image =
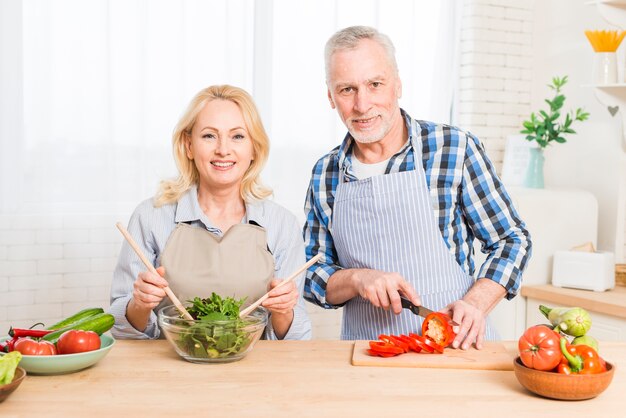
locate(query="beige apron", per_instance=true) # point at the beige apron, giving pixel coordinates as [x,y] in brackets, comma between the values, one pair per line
[198,262]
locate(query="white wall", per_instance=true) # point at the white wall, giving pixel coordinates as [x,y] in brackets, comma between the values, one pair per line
[52,265]
[495,71]
[593,159]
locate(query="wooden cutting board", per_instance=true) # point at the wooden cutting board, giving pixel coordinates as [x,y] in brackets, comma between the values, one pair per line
[493,356]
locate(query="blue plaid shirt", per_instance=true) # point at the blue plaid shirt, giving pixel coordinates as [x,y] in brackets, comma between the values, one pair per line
[468,200]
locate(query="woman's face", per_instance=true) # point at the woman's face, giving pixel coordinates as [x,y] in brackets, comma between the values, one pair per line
[220,145]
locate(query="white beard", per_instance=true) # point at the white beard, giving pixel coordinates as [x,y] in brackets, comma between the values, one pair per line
[371,137]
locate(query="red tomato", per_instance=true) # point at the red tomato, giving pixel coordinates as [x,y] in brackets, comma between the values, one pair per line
[76,341]
[29,347]
[539,348]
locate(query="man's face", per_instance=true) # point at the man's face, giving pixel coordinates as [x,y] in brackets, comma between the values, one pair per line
[364,87]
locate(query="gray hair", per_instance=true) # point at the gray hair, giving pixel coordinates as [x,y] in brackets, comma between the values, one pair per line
[350,37]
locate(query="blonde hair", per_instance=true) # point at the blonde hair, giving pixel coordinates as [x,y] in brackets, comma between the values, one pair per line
[251,187]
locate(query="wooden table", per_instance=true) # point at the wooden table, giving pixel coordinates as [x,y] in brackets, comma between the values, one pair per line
[292,379]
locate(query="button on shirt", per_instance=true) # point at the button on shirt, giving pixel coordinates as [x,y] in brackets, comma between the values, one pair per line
[151,228]
[468,201]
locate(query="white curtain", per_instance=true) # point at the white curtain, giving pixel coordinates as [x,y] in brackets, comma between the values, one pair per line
[91,90]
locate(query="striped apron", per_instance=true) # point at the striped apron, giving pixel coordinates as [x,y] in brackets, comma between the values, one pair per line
[387,223]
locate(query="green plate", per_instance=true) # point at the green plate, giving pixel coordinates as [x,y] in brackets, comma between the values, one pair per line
[65,363]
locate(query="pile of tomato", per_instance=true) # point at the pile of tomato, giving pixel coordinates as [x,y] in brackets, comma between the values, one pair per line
[29,342]
[543,348]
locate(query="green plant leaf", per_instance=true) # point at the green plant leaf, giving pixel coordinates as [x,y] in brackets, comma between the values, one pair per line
[544,127]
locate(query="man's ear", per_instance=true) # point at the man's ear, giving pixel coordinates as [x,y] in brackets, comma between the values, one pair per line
[330,99]
[399,88]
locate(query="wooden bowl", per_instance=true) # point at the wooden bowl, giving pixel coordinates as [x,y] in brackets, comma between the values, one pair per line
[6,390]
[560,386]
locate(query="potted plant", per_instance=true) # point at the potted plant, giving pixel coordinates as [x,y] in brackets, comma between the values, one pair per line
[546,128]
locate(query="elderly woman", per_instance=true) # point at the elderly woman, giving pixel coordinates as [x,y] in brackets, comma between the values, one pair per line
[212,228]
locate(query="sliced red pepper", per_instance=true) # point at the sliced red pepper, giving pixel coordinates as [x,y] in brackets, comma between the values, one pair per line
[421,343]
[427,344]
[395,340]
[411,342]
[384,347]
[437,327]
[379,354]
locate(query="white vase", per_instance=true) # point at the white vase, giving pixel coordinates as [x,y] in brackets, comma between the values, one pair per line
[604,68]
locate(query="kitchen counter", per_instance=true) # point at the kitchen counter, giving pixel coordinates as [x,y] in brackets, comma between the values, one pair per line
[292,379]
[611,302]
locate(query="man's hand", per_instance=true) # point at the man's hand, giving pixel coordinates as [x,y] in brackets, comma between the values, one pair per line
[472,324]
[471,312]
[382,289]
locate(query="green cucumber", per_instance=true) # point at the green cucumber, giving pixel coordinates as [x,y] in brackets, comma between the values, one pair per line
[99,323]
[79,316]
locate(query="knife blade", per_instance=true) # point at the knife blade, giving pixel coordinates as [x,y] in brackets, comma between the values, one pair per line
[419,310]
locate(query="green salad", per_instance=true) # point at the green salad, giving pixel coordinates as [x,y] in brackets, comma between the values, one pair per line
[210,339]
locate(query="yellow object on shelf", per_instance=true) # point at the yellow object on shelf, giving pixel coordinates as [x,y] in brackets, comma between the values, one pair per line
[605,40]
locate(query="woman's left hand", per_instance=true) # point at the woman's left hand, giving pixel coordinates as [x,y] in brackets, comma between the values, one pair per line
[281,299]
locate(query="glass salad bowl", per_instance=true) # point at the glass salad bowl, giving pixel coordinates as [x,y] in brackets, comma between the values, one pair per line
[212,341]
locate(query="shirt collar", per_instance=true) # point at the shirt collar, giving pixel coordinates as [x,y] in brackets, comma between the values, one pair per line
[347,145]
[188,210]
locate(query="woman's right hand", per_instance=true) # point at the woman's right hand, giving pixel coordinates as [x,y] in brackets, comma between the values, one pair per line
[148,289]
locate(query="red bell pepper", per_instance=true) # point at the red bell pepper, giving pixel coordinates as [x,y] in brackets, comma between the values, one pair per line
[437,327]
[579,359]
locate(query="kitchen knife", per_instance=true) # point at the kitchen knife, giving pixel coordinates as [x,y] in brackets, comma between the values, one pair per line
[419,310]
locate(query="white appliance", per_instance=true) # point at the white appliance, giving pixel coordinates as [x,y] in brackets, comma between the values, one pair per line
[584,270]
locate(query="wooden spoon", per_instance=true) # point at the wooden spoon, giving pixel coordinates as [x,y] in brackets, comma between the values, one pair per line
[259,301]
[151,268]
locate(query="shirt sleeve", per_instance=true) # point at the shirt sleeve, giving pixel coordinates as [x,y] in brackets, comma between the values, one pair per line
[126,271]
[494,221]
[288,257]
[317,237]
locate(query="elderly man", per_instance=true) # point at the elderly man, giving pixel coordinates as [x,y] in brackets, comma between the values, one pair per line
[396,207]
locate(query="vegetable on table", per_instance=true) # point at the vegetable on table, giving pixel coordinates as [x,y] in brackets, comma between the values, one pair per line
[78,316]
[572,321]
[99,323]
[24,332]
[30,347]
[539,348]
[8,365]
[579,359]
[78,341]
[393,345]
[209,339]
[437,327]
[587,340]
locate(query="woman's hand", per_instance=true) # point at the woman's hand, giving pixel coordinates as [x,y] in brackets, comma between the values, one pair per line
[148,289]
[281,299]
[280,303]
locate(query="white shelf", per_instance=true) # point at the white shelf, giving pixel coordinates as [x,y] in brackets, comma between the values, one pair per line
[617,3]
[617,86]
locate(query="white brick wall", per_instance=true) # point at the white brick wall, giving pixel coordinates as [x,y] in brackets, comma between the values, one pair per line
[495,71]
[53,266]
